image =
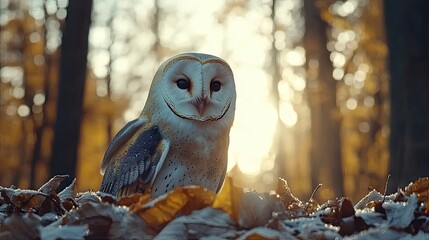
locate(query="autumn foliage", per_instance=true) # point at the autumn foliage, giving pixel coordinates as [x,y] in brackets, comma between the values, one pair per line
[193,212]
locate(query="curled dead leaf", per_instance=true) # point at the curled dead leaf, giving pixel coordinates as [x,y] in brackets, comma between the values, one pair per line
[229,199]
[25,200]
[285,194]
[87,197]
[421,188]
[51,186]
[108,198]
[134,199]
[293,206]
[106,221]
[70,192]
[181,201]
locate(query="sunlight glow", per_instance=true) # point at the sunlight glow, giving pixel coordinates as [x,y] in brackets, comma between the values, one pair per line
[287,114]
[12,74]
[364,127]
[23,110]
[39,99]
[18,92]
[338,59]
[368,101]
[252,137]
[351,103]
[338,73]
[296,57]
[255,122]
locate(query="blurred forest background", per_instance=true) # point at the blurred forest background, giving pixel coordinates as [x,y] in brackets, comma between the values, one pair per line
[316,103]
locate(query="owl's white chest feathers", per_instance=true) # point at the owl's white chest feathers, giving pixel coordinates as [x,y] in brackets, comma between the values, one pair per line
[197,156]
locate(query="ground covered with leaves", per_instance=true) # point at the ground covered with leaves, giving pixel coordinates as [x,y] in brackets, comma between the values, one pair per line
[195,213]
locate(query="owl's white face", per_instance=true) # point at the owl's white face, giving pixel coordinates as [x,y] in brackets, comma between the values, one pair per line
[196,87]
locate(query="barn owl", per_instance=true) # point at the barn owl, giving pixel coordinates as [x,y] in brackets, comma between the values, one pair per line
[182,135]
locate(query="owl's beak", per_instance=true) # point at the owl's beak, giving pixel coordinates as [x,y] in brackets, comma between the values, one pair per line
[201,105]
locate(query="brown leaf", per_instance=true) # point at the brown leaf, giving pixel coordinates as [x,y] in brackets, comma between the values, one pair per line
[107,221]
[334,216]
[360,224]
[285,194]
[421,188]
[67,196]
[108,198]
[52,204]
[131,200]
[20,226]
[70,192]
[294,207]
[346,208]
[229,199]
[51,186]
[25,200]
[99,217]
[311,206]
[180,201]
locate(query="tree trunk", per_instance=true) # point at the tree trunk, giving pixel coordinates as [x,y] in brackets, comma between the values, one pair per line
[74,51]
[325,156]
[407,27]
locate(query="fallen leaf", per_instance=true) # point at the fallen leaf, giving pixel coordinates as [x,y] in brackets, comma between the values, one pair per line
[258,208]
[25,200]
[372,196]
[229,199]
[67,196]
[131,200]
[51,186]
[346,208]
[87,197]
[70,192]
[108,198]
[21,226]
[400,214]
[63,232]
[312,228]
[105,221]
[420,187]
[181,201]
[285,194]
[382,232]
[263,233]
[208,222]
[294,207]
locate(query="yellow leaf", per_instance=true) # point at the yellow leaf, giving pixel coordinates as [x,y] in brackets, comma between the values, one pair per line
[229,199]
[421,188]
[180,201]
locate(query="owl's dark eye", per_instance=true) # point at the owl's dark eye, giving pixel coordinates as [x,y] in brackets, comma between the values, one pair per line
[215,86]
[183,84]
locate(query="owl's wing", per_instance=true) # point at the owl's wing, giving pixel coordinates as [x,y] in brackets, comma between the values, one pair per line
[130,166]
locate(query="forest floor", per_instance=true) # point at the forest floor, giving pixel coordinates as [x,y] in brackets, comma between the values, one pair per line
[195,213]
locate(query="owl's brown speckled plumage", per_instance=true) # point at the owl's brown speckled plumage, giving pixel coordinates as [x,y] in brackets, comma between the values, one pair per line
[182,135]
